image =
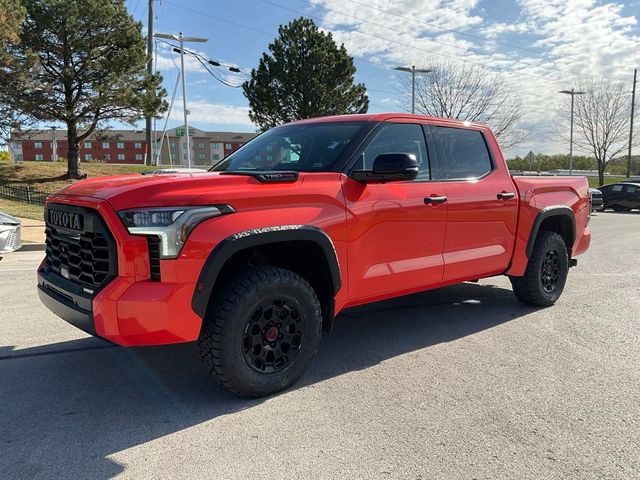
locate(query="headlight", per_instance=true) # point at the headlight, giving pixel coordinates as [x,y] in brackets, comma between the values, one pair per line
[171,225]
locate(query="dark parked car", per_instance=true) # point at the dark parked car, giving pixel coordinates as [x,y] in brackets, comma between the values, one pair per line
[596,199]
[621,197]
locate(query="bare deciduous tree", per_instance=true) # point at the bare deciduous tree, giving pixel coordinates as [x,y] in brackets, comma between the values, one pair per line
[468,92]
[601,120]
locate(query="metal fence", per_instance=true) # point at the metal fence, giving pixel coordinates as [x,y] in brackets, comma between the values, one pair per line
[23,194]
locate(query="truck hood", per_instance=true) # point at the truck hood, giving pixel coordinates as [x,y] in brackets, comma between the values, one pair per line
[135,190]
[139,191]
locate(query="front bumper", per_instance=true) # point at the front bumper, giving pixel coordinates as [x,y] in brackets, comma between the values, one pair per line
[131,309]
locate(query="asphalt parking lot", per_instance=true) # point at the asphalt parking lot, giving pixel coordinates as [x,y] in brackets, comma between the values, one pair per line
[463,382]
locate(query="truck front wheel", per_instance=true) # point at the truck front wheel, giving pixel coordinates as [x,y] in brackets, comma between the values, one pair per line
[261,331]
[546,272]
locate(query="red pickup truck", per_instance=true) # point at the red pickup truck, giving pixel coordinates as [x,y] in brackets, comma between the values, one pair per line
[256,257]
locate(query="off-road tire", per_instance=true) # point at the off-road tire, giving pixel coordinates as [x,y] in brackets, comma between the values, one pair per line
[546,273]
[237,308]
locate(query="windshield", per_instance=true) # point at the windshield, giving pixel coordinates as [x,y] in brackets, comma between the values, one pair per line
[311,147]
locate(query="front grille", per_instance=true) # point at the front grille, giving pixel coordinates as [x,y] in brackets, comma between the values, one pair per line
[87,257]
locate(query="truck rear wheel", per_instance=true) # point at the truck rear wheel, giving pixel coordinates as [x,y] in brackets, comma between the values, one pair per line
[261,331]
[546,273]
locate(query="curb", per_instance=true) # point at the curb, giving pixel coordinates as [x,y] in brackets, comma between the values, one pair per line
[32,247]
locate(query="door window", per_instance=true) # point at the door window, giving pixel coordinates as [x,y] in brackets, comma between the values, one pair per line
[398,138]
[630,188]
[463,154]
[616,188]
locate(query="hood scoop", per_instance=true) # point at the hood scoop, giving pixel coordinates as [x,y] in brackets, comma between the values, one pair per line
[267,176]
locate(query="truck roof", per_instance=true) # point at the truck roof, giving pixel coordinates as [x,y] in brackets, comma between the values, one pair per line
[380,117]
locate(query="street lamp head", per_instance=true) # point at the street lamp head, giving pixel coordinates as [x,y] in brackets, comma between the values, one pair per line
[571,92]
[195,39]
[167,36]
[413,69]
[403,69]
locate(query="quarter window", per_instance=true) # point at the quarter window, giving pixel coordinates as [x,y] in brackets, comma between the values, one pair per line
[463,154]
[398,138]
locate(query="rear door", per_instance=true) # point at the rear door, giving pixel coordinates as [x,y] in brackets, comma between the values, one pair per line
[482,202]
[395,235]
[631,196]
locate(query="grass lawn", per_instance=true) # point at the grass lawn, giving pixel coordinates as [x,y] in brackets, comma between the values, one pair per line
[47,176]
[595,183]
[19,209]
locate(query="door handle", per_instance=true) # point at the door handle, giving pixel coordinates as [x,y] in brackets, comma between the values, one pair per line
[506,195]
[434,200]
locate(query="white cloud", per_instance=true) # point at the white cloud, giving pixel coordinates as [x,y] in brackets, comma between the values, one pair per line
[571,39]
[207,113]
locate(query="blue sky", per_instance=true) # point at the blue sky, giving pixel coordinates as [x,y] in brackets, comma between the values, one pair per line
[539,46]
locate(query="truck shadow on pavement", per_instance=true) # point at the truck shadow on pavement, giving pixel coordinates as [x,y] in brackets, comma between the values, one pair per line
[66,408]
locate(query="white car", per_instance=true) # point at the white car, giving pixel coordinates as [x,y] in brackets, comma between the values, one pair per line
[9,233]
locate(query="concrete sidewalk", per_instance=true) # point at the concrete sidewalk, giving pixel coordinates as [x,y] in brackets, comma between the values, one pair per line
[32,231]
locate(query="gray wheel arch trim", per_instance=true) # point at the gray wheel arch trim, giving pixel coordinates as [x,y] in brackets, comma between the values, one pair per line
[256,237]
[547,212]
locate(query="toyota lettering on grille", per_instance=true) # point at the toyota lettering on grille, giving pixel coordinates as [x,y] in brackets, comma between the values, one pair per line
[70,220]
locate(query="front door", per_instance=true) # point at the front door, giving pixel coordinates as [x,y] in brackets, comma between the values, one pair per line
[395,236]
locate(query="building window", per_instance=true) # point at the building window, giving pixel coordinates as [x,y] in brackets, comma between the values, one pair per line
[87,156]
[120,145]
[138,156]
[201,156]
[269,147]
[37,144]
[87,144]
[269,158]
[17,145]
[106,157]
[216,146]
[201,145]
[215,157]
[138,145]
[172,156]
[39,157]
[228,146]
[121,156]
[106,145]
[172,145]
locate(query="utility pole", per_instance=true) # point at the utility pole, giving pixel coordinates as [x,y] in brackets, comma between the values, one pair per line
[54,143]
[633,101]
[573,93]
[148,120]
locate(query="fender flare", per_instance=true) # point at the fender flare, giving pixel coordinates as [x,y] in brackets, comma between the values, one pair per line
[547,212]
[253,238]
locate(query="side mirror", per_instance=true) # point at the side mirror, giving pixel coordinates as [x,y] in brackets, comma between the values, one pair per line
[389,167]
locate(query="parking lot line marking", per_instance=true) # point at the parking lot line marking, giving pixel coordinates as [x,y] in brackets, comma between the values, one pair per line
[17,269]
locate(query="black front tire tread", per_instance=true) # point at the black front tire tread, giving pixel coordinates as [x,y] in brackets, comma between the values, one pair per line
[528,288]
[236,291]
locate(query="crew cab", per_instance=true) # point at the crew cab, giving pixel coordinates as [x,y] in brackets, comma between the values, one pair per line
[254,259]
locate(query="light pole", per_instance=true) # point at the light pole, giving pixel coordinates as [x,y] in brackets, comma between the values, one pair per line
[413,70]
[181,38]
[54,143]
[573,93]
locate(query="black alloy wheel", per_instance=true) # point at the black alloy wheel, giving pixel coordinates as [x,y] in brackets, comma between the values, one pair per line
[273,336]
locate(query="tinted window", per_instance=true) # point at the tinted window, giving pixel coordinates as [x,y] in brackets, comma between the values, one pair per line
[462,153]
[616,188]
[398,138]
[311,147]
[630,188]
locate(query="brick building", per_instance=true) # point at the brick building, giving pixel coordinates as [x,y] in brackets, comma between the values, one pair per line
[127,146]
